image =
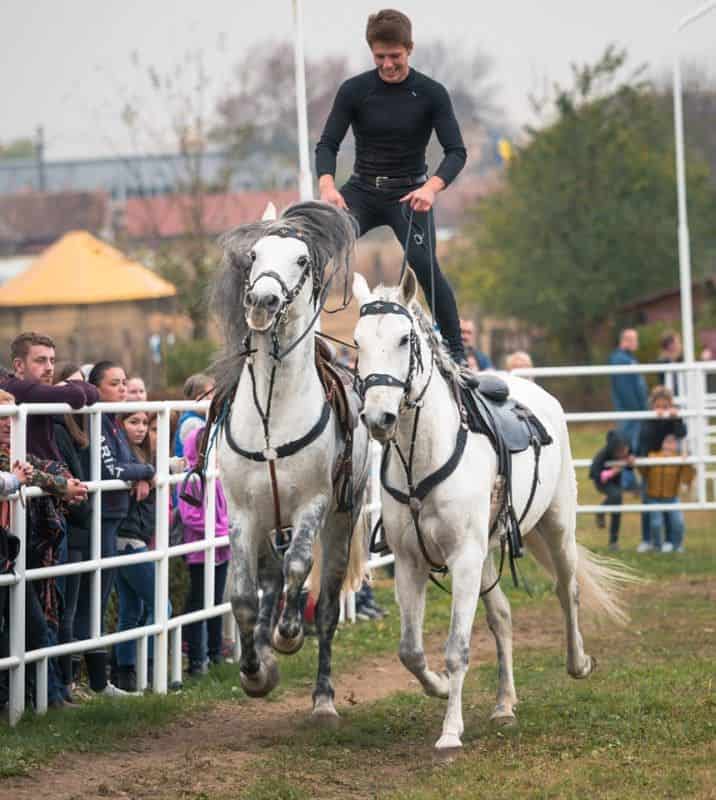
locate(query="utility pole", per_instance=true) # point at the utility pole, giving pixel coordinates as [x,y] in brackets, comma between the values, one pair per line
[40,158]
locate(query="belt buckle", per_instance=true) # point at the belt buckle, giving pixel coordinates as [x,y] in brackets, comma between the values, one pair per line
[380,180]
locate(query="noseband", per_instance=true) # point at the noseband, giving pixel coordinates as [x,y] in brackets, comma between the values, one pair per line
[415,365]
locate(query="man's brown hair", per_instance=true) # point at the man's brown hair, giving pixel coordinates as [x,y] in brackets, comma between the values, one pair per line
[6,397]
[389,26]
[21,344]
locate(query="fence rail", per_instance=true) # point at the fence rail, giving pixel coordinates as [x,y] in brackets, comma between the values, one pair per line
[698,407]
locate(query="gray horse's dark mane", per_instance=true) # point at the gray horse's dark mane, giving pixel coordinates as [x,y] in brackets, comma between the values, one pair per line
[443,360]
[329,235]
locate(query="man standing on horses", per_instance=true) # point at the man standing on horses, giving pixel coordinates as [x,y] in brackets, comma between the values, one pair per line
[393,111]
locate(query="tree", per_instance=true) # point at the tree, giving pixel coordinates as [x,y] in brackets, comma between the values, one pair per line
[260,113]
[586,220]
[179,120]
[17,148]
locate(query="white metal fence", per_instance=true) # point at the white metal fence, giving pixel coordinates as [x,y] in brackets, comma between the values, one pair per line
[698,408]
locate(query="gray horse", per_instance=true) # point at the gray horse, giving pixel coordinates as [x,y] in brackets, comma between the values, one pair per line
[282,450]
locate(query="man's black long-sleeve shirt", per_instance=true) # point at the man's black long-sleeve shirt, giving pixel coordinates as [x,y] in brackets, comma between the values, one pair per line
[392,124]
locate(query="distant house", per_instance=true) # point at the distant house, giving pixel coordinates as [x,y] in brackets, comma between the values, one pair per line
[151,220]
[31,221]
[95,303]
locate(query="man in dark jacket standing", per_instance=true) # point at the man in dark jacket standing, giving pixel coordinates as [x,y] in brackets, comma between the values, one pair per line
[393,111]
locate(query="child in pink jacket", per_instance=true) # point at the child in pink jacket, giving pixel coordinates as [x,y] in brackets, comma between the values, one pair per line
[204,638]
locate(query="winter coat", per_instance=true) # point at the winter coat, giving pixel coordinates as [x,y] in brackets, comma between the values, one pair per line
[188,422]
[629,392]
[193,516]
[119,463]
[608,453]
[78,515]
[40,428]
[664,481]
[652,432]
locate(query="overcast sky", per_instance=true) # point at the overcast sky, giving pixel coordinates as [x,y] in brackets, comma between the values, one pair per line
[66,64]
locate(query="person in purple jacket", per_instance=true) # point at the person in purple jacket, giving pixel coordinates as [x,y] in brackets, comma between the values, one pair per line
[118,463]
[33,364]
[201,645]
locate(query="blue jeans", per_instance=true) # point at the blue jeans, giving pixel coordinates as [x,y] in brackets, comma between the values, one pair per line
[135,587]
[204,637]
[674,522]
[109,548]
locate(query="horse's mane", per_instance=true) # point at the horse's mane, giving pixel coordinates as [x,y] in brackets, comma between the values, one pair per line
[329,235]
[443,360]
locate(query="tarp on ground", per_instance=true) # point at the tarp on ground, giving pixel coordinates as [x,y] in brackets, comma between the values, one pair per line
[80,269]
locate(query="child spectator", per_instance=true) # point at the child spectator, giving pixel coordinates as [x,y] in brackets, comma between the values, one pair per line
[196,387]
[662,486]
[612,480]
[194,530]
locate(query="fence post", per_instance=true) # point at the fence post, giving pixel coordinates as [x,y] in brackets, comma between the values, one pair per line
[701,431]
[17,592]
[210,530]
[161,575]
[95,577]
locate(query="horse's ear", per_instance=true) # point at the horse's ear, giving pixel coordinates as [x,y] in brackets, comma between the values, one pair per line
[269,214]
[361,292]
[408,287]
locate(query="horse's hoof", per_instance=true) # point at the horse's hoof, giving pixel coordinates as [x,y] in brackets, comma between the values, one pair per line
[501,718]
[287,647]
[438,686]
[261,682]
[325,714]
[448,744]
[587,670]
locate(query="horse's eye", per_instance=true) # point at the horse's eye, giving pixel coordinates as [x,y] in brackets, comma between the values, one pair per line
[252,256]
[404,340]
[302,261]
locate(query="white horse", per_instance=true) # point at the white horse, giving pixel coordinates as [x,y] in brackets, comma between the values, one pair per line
[401,361]
[282,449]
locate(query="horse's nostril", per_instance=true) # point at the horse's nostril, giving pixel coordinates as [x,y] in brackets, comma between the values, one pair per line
[272,302]
[388,419]
[250,299]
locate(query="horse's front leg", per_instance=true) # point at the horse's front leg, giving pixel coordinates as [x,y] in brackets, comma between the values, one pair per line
[259,673]
[288,635]
[410,581]
[466,569]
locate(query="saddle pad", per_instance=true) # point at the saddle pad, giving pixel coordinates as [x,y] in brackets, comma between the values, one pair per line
[507,420]
[337,384]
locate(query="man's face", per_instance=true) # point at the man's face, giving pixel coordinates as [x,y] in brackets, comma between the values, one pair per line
[467,332]
[630,340]
[38,365]
[392,61]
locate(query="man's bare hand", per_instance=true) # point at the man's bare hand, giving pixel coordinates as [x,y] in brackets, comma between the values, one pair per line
[421,199]
[333,197]
[22,471]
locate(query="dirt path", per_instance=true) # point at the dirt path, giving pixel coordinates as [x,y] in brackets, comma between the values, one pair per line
[204,755]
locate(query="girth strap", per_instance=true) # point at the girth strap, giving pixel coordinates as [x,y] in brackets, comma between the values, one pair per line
[425,486]
[284,450]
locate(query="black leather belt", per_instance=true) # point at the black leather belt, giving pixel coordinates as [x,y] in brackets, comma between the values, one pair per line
[385,182]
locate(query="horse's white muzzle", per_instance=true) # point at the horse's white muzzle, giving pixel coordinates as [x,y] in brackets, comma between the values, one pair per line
[380,413]
[262,304]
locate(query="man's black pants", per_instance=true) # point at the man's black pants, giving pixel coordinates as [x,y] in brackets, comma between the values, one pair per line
[373,207]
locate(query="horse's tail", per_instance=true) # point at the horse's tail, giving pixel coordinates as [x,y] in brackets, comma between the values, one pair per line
[601,579]
[355,571]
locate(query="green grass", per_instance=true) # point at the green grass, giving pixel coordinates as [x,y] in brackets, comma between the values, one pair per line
[650,704]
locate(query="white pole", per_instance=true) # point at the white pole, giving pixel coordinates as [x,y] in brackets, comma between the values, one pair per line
[687,316]
[305,180]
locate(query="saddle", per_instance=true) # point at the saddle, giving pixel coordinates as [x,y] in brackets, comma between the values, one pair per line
[491,411]
[337,380]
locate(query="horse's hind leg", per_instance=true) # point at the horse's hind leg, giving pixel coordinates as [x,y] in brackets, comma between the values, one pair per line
[499,620]
[410,592]
[557,531]
[334,566]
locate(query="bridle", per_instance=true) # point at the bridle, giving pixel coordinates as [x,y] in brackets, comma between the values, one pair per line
[415,364]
